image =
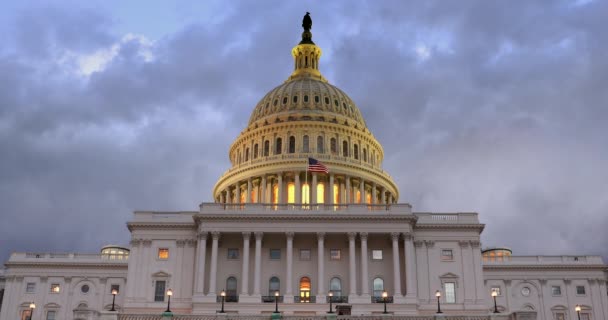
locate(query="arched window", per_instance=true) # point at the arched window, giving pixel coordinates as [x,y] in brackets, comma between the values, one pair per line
[231,287]
[246,154]
[356,151]
[364,154]
[333,146]
[320,145]
[278,146]
[305,144]
[292,144]
[344,148]
[335,286]
[291,192]
[255,151]
[266,148]
[275,194]
[320,193]
[274,285]
[305,289]
[378,287]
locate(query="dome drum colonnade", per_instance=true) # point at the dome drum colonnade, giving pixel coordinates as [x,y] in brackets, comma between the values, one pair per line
[306,117]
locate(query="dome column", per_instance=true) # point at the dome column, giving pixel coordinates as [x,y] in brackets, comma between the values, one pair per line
[248,197]
[348,190]
[374,194]
[238,193]
[331,189]
[362,190]
[382,196]
[314,188]
[263,190]
[280,187]
[227,198]
[298,186]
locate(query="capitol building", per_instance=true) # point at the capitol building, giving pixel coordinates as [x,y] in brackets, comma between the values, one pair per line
[305,221]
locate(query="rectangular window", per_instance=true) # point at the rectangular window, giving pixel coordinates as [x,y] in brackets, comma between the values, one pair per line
[450,292]
[447,255]
[376,254]
[304,254]
[50,315]
[580,290]
[495,289]
[113,287]
[335,254]
[556,290]
[585,316]
[233,254]
[159,291]
[560,316]
[275,254]
[30,287]
[163,253]
[55,288]
[25,314]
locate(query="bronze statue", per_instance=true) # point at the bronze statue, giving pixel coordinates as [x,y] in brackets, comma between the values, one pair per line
[307,22]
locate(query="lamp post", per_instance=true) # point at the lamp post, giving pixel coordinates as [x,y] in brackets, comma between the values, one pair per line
[223,294]
[578,311]
[276,302]
[114,293]
[331,295]
[494,294]
[384,296]
[32,307]
[169,294]
[438,295]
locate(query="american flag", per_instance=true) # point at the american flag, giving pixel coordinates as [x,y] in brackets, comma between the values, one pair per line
[315,165]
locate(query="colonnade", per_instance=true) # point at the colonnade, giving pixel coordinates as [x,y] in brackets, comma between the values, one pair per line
[354,285]
[306,188]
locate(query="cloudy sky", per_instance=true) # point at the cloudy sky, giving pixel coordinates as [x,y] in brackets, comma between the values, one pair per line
[498,107]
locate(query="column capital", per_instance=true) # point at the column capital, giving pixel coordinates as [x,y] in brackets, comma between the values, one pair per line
[351,236]
[259,235]
[320,235]
[429,243]
[395,236]
[463,243]
[215,235]
[507,282]
[180,243]
[418,243]
[408,236]
[475,244]
[246,235]
[363,236]
[135,242]
[147,243]
[290,235]
[202,235]
[543,281]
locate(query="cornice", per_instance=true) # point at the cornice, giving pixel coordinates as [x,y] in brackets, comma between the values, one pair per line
[161,225]
[446,226]
[301,217]
[66,264]
[498,267]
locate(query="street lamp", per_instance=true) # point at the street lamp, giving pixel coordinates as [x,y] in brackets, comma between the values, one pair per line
[494,294]
[331,295]
[384,296]
[438,295]
[578,311]
[223,294]
[169,294]
[276,302]
[114,293]
[32,307]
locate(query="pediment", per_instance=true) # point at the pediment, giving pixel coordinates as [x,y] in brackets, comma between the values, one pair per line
[160,274]
[449,275]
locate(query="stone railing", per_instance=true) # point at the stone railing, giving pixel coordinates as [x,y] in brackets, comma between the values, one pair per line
[545,260]
[84,257]
[400,208]
[528,315]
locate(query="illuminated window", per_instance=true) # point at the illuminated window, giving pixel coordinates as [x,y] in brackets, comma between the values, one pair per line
[163,253]
[358,196]
[376,254]
[450,292]
[320,146]
[336,193]
[305,144]
[291,192]
[243,197]
[254,195]
[320,193]
[356,151]
[335,254]
[275,194]
[447,255]
[368,198]
[55,288]
[305,193]
[25,314]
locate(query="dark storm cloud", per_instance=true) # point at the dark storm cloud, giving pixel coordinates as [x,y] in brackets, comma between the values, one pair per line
[501,111]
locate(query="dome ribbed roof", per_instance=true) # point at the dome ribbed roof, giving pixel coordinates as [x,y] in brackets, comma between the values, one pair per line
[306,96]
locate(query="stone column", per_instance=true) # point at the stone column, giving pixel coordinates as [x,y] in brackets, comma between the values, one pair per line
[245,273]
[263,198]
[258,263]
[248,196]
[352,270]
[342,199]
[331,189]
[480,289]
[411,284]
[131,270]
[280,188]
[288,296]
[313,188]
[320,267]
[228,196]
[374,194]
[200,263]
[396,265]
[383,196]
[213,272]
[348,190]
[298,187]
[238,193]
[222,197]
[362,190]
[364,273]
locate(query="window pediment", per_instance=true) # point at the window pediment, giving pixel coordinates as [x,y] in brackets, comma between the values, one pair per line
[449,275]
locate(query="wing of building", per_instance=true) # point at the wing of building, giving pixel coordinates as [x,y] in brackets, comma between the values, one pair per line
[306,221]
